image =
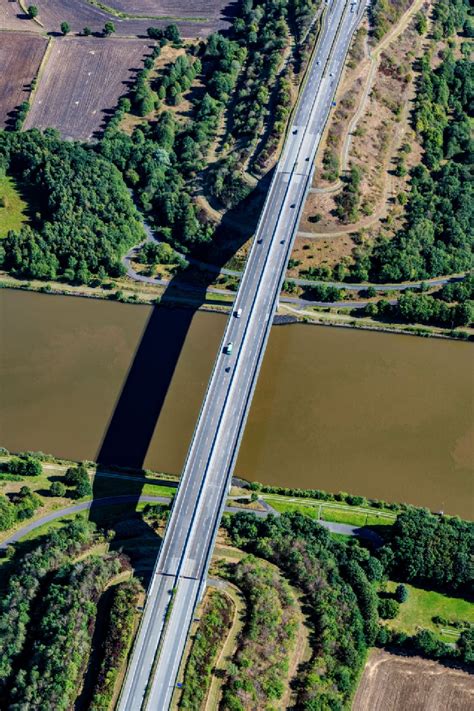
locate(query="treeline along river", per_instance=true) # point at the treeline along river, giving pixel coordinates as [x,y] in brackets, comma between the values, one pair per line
[386,416]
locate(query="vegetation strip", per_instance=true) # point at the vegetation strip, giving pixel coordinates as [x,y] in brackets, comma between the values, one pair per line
[214,623]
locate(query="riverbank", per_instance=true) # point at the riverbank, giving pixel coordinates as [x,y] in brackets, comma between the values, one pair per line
[124,290]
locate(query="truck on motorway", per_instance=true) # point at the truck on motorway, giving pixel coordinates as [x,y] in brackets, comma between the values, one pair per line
[228,348]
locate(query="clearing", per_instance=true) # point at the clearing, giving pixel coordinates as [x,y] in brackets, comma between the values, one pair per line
[20,59]
[13,209]
[392,683]
[81,83]
[422,605]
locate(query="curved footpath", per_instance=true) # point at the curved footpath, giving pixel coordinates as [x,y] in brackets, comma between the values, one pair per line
[402,286]
[340,528]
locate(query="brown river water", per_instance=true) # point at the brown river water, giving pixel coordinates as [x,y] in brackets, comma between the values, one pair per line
[386,416]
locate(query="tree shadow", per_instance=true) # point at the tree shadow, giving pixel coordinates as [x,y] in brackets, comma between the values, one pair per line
[138,407]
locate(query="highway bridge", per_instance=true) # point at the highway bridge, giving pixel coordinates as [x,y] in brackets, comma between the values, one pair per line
[179,576]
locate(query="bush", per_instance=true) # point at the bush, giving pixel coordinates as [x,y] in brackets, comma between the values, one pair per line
[57,489]
[401,593]
[388,608]
[75,475]
[25,466]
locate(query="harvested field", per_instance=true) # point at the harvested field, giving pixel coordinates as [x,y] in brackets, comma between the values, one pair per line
[174,8]
[80,14]
[391,683]
[13,18]
[20,58]
[81,83]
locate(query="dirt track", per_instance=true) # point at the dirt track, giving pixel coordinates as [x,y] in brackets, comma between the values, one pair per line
[393,683]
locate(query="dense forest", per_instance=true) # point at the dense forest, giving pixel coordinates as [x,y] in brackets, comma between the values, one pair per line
[84,216]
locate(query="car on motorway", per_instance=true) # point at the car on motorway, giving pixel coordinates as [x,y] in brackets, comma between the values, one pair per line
[228,348]
[238,313]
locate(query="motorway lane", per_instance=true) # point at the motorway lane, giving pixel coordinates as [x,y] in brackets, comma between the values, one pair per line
[189,539]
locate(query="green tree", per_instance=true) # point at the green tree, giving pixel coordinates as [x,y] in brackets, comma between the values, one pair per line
[172,33]
[32,11]
[57,488]
[7,513]
[466,645]
[83,489]
[109,28]
[401,593]
[388,608]
[25,466]
[65,28]
[87,31]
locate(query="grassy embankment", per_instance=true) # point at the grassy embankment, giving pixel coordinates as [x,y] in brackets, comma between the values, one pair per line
[104,484]
[337,513]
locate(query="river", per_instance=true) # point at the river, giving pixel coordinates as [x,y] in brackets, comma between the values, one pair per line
[386,416]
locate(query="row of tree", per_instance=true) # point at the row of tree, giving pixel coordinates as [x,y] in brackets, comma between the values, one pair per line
[115,644]
[412,307]
[215,620]
[256,675]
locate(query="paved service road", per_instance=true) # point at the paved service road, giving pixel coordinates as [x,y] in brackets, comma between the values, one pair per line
[343,528]
[181,568]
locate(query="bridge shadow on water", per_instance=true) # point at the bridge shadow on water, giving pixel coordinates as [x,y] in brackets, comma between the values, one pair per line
[137,409]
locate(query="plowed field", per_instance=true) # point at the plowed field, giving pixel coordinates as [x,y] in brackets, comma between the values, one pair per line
[393,683]
[79,14]
[20,57]
[13,18]
[81,83]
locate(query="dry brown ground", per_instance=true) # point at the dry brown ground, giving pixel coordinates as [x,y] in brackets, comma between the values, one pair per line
[172,8]
[20,58]
[80,14]
[382,128]
[393,683]
[13,18]
[81,83]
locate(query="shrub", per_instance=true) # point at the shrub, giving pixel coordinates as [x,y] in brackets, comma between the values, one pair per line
[57,489]
[401,593]
[388,608]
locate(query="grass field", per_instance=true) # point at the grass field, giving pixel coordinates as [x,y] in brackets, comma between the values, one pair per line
[341,514]
[12,207]
[423,605]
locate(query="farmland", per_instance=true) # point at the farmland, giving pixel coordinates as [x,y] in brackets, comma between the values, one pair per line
[13,18]
[82,80]
[20,58]
[173,8]
[131,18]
[390,682]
